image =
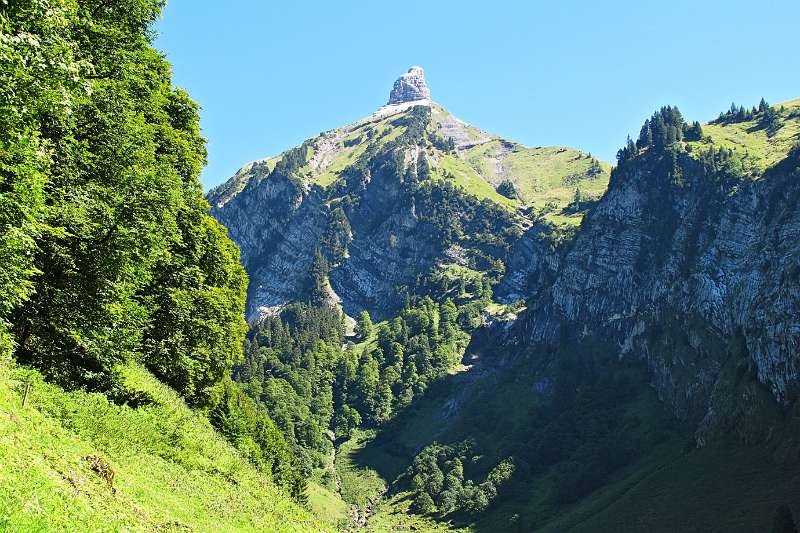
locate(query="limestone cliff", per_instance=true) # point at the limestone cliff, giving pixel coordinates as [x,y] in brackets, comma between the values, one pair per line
[410,87]
[366,195]
[692,265]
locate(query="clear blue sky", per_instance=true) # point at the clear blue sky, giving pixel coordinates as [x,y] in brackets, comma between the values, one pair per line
[584,74]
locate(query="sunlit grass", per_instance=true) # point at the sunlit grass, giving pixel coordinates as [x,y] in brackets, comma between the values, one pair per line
[172,471]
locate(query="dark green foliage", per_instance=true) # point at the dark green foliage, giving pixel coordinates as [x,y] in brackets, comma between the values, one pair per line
[424,504]
[416,122]
[784,521]
[247,425]
[629,151]
[579,431]
[364,325]
[570,433]
[345,420]
[445,144]
[735,114]
[21,202]
[197,301]
[123,263]
[507,189]
[289,367]
[440,483]
[295,366]
[664,128]
[293,160]
[317,288]
[659,152]
[694,132]
[769,119]
[766,115]
[108,255]
[423,168]
[33,78]
[578,198]
[299,491]
[595,169]
[338,235]
[459,217]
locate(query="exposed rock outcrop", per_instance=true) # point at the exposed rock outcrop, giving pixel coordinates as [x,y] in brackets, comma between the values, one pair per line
[381,232]
[700,278]
[277,224]
[410,87]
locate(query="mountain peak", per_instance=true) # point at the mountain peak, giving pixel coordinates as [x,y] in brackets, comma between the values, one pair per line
[410,87]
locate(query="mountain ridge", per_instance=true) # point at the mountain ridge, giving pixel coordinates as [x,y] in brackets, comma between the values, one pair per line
[626,310]
[529,183]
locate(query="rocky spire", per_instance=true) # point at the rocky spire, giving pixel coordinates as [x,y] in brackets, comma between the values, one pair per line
[410,87]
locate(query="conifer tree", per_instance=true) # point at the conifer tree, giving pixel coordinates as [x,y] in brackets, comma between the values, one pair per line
[578,198]
[364,325]
[318,279]
[423,168]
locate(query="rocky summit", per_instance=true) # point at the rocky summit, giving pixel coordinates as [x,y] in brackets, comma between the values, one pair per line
[410,87]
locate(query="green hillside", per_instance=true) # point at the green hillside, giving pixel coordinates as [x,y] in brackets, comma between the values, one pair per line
[497,410]
[544,178]
[159,466]
[754,139]
[438,340]
[121,299]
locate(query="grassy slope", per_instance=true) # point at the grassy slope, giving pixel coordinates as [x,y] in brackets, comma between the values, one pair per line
[725,487]
[172,470]
[751,139]
[326,505]
[358,484]
[468,179]
[394,515]
[541,175]
[220,194]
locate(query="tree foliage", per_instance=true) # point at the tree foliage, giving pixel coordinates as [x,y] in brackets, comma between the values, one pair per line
[107,253]
[445,479]
[108,243]
[296,367]
[507,189]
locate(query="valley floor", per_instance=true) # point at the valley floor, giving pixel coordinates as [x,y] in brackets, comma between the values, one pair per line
[725,486]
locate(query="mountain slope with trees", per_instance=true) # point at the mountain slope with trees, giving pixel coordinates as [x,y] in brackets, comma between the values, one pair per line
[594,364]
[111,263]
[447,330]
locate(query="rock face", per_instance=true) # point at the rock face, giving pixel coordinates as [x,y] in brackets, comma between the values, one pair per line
[410,87]
[378,229]
[700,279]
[277,224]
